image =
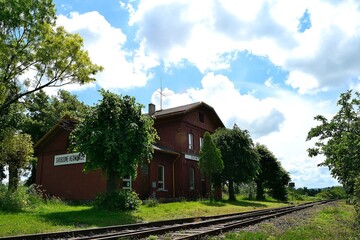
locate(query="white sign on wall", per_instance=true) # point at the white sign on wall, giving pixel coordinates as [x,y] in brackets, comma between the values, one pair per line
[70,158]
[191,157]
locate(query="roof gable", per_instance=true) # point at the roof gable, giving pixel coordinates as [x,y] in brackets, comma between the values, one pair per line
[182,110]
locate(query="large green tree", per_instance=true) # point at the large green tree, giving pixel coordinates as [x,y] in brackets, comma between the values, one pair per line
[115,137]
[15,152]
[210,160]
[271,176]
[241,160]
[338,139]
[35,54]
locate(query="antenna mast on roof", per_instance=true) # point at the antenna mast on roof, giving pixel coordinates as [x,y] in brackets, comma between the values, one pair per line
[161,93]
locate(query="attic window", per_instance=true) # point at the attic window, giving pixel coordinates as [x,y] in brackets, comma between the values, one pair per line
[201,117]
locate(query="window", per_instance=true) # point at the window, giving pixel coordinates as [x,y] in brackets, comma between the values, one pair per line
[201,142]
[191,178]
[191,141]
[127,182]
[201,117]
[161,173]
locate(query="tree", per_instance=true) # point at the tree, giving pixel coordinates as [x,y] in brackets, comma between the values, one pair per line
[271,175]
[210,161]
[115,137]
[241,161]
[15,151]
[43,112]
[338,140]
[35,54]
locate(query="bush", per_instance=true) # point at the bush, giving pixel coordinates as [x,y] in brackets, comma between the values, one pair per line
[23,198]
[13,201]
[332,193]
[152,202]
[122,200]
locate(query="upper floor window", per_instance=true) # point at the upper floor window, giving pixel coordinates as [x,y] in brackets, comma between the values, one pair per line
[161,177]
[201,117]
[127,182]
[201,142]
[191,178]
[191,141]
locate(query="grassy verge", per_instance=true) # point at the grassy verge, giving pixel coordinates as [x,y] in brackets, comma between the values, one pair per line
[59,217]
[331,222]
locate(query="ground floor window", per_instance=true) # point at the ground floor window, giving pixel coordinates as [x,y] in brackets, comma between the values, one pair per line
[127,182]
[191,178]
[161,177]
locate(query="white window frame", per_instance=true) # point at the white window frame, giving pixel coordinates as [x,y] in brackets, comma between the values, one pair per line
[192,178]
[161,182]
[127,179]
[201,141]
[191,141]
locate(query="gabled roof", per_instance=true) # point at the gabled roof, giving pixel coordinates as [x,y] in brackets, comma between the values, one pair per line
[182,110]
[65,122]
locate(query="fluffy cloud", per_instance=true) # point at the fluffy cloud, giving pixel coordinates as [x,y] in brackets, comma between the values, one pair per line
[280,122]
[122,69]
[205,33]
[258,116]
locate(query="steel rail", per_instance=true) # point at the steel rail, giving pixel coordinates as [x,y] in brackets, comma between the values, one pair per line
[151,228]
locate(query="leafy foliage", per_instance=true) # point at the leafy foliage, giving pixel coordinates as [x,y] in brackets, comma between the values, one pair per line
[35,54]
[271,175]
[241,161]
[332,193]
[115,137]
[19,200]
[339,140]
[210,161]
[16,152]
[43,111]
[122,200]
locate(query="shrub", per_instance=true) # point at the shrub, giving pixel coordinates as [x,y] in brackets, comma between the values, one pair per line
[122,200]
[152,202]
[332,193]
[13,201]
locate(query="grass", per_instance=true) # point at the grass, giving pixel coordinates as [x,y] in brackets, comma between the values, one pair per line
[60,217]
[333,222]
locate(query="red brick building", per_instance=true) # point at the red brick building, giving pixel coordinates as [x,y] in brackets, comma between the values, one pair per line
[172,173]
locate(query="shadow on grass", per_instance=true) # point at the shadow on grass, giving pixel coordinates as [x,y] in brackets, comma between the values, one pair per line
[91,217]
[236,203]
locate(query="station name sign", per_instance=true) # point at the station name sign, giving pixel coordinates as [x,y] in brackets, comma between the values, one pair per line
[70,158]
[191,157]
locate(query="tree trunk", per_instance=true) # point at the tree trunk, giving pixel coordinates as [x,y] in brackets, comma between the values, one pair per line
[231,191]
[111,182]
[13,178]
[259,191]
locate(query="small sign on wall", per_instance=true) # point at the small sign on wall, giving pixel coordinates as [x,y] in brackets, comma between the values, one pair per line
[70,158]
[191,157]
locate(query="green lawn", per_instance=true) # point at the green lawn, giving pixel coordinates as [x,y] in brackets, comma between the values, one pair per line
[60,217]
[332,222]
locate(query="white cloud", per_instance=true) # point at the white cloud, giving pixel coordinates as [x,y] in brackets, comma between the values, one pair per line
[122,69]
[203,32]
[280,122]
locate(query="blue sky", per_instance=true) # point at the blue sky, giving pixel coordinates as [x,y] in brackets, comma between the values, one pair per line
[268,66]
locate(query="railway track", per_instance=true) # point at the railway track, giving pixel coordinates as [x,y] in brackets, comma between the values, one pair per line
[187,228]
